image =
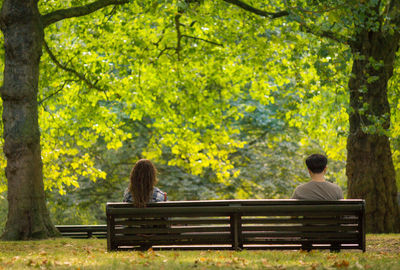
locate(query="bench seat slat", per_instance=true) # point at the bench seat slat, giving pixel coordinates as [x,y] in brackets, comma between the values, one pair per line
[292,247]
[172,230]
[158,242]
[323,228]
[220,214]
[315,235]
[335,220]
[280,210]
[262,202]
[297,241]
[173,221]
[173,237]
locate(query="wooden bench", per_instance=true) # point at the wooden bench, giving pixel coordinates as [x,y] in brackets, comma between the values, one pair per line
[83,231]
[237,224]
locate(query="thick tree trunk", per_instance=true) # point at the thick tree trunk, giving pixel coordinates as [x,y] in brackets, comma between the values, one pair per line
[28,216]
[370,169]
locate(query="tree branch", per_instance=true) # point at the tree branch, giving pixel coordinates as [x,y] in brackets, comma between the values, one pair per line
[205,40]
[40,102]
[82,77]
[178,35]
[162,52]
[272,15]
[326,34]
[62,14]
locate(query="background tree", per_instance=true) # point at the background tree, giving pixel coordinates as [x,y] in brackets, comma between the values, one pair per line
[23,29]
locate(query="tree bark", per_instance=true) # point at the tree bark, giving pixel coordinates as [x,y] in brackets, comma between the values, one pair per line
[28,217]
[370,170]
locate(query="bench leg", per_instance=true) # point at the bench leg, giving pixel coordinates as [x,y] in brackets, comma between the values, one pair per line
[335,248]
[145,247]
[306,247]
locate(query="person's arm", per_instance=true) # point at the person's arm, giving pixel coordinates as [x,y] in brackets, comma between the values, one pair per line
[340,194]
[295,195]
[127,196]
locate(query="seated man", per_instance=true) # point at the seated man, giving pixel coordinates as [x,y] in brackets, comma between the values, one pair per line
[317,188]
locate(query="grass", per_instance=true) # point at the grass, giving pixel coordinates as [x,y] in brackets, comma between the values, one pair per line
[383,252]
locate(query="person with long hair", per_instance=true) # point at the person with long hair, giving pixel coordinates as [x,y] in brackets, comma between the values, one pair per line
[142,189]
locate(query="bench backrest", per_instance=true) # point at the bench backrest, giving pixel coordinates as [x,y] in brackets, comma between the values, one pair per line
[236,224]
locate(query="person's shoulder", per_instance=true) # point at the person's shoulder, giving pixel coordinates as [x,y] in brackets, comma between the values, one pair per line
[156,189]
[159,195]
[299,189]
[303,186]
[334,185]
[337,189]
[127,196]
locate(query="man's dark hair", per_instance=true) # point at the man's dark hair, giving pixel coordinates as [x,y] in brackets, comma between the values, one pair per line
[316,163]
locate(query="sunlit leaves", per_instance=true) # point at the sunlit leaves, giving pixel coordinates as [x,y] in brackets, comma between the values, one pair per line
[184,104]
[189,101]
[187,106]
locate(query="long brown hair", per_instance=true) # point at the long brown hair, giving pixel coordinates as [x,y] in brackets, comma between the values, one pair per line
[142,181]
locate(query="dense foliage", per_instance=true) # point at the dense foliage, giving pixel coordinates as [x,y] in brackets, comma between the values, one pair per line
[225,102]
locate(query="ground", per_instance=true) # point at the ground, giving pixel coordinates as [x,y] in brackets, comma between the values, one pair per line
[383,252]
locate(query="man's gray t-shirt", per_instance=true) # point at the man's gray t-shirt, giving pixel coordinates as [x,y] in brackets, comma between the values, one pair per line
[318,191]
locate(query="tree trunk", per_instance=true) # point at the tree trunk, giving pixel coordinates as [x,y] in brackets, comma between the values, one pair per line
[370,170]
[28,217]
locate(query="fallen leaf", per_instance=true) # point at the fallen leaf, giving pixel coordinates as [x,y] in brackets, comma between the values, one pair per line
[265,263]
[359,266]
[342,264]
[30,262]
[314,266]
[331,257]
[302,263]
[15,258]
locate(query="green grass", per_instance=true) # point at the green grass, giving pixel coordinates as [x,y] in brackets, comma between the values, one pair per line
[383,252]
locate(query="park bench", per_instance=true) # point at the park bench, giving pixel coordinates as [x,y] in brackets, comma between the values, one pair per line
[237,224]
[83,231]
